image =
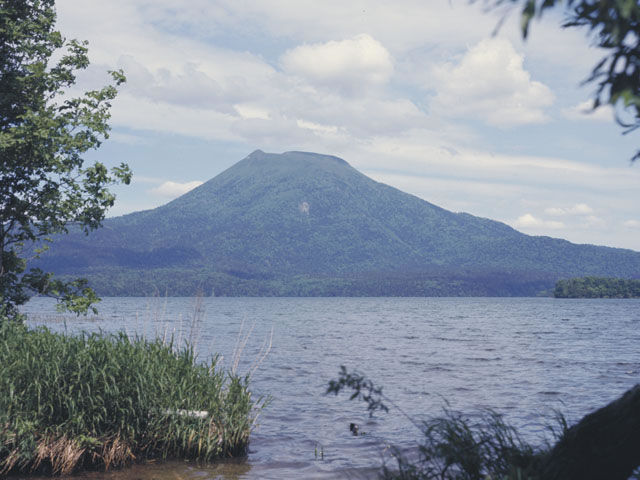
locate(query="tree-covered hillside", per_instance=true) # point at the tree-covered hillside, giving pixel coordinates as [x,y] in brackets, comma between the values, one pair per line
[306,224]
[596,287]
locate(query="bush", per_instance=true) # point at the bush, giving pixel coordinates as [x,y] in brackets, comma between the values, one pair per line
[105,400]
[455,447]
[452,446]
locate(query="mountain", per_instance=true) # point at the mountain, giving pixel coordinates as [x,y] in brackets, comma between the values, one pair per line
[301,223]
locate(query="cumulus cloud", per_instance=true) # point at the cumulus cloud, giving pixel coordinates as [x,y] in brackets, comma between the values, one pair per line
[316,127]
[584,111]
[350,64]
[577,209]
[251,111]
[243,75]
[632,224]
[529,221]
[174,189]
[581,209]
[490,83]
[591,221]
[140,113]
[187,85]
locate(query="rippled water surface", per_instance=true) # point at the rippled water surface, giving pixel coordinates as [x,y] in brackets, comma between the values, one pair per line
[523,357]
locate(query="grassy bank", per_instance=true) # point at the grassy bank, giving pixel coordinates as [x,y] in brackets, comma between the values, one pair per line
[102,400]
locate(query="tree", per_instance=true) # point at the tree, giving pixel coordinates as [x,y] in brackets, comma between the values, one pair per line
[614,26]
[603,444]
[45,186]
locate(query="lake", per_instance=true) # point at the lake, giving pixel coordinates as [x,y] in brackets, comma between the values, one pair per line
[523,357]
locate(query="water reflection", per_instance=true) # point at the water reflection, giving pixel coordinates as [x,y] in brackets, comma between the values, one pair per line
[225,470]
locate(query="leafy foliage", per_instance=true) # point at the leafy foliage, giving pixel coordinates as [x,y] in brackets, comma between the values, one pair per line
[615,27]
[457,447]
[452,446]
[45,185]
[363,389]
[595,287]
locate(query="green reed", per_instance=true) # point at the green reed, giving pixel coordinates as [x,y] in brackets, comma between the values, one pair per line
[452,446]
[102,400]
[457,447]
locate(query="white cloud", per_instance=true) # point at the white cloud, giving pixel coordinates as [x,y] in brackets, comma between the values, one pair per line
[490,83]
[402,24]
[145,114]
[147,180]
[174,189]
[577,209]
[632,224]
[584,111]
[350,65]
[216,82]
[216,71]
[316,127]
[591,221]
[529,221]
[269,133]
[422,151]
[555,211]
[581,209]
[251,111]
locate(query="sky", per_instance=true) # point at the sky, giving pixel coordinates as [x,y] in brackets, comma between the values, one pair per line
[423,95]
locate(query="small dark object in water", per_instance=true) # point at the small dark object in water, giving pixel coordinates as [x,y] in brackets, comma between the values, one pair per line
[354,429]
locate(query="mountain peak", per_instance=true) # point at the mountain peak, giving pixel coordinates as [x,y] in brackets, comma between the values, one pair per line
[281,167]
[301,223]
[296,156]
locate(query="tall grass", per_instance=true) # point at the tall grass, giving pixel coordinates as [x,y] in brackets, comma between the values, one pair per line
[104,400]
[457,447]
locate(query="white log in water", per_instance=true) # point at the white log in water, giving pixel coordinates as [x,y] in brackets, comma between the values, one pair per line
[187,413]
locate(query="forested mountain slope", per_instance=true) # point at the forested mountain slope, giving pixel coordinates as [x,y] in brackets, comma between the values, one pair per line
[307,224]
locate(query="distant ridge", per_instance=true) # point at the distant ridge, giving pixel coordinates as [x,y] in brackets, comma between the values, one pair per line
[301,223]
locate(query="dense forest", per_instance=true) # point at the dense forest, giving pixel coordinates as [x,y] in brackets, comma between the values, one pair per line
[304,224]
[190,281]
[597,287]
